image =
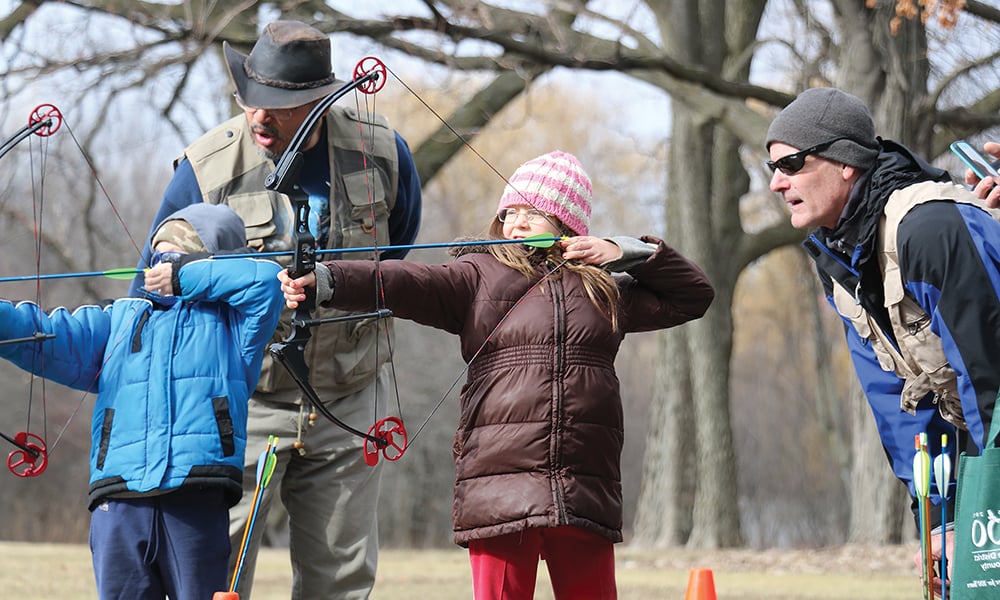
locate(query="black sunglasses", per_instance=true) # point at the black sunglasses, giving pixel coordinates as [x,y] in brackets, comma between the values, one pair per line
[793,163]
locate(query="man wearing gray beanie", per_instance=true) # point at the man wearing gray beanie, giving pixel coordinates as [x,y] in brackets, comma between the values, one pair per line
[820,116]
[910,260]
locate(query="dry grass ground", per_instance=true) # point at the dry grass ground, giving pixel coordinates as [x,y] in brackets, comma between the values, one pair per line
[52,571]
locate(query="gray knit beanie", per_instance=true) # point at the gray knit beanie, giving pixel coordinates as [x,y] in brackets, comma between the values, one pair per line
[819,115]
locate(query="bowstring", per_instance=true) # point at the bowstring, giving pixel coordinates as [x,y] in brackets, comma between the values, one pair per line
[461,138]
[368,166]
[138,252]
[37,212]
[104,190]
[444,122]
[482,346]
[541,280]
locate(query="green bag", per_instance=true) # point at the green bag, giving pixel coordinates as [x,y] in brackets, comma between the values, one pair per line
[975,567]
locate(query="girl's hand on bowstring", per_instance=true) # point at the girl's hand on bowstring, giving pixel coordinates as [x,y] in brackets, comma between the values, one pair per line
[590,250]
[294,289]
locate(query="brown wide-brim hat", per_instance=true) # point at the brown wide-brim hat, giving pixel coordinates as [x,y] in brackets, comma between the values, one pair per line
[288,66]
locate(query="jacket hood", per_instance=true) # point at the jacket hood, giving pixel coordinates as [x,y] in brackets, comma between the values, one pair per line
[469,246]
[217,225]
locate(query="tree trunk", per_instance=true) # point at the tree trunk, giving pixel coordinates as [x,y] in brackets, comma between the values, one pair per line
[666,495]
[705,182]
[877,497]
[704,348]
[716,508]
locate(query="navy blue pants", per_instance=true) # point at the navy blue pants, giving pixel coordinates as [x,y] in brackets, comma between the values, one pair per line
[148,548]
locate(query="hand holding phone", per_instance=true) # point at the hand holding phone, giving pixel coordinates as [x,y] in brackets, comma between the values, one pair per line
[982,175]
[979,164]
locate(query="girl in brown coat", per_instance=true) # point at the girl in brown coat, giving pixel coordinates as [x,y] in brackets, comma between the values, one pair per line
[538,447]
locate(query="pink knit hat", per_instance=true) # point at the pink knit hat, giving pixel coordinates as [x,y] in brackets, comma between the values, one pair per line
[554,183]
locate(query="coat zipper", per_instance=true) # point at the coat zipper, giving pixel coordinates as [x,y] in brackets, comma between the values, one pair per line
[558,371]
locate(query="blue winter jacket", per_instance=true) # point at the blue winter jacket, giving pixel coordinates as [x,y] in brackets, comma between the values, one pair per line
[172,381]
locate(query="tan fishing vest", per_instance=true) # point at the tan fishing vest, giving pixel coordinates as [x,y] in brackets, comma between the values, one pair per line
[343,357]
[920,360]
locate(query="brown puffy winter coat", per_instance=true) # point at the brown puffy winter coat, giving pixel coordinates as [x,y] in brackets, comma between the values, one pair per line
[541,431]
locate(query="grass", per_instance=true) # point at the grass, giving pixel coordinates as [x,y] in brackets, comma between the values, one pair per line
[63,571]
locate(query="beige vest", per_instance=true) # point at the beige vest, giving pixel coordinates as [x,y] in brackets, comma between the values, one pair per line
[920,360]
[343,357]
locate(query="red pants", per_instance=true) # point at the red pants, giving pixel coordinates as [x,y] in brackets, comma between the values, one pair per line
[581,564]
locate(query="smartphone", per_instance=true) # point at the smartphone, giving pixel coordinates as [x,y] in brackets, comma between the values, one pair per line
[979,164]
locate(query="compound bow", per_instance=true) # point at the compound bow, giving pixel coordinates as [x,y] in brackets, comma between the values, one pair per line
[387,435]
[30,456]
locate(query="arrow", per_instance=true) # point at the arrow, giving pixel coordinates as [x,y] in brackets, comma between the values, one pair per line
[122,273]
[942,477]
[265,468]
[921,484]
[535,241]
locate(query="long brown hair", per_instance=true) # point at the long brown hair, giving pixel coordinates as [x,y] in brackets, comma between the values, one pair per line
[600,287]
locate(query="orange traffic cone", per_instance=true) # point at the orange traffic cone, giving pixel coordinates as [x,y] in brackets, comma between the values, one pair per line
[701,586]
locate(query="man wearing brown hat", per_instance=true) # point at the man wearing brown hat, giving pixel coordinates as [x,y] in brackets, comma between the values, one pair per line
[911,262]
[329,492]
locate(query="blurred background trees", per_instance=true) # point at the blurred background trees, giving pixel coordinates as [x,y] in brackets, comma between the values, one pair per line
[744,427]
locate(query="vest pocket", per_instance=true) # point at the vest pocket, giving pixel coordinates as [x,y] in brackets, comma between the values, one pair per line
[849,309]
[923,345]
[225,423]
[357,186]
[257,214]
[102,453]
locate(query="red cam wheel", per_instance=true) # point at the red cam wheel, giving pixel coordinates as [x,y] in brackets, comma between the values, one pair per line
[31,459]
[392,431]
[366,66]
[46,112]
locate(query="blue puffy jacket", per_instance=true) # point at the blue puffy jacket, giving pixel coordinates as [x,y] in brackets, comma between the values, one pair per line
[172,380]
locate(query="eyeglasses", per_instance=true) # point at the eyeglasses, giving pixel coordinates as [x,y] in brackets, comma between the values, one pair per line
[171,256]
[279,114]
[791,164]
[531,215]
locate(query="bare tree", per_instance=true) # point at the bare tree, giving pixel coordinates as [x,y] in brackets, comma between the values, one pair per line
[726,66]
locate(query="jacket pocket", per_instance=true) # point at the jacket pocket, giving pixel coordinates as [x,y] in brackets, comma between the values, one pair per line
[225,423]
[137,334]
[102,453]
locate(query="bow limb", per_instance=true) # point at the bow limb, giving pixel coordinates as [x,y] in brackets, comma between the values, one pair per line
[43,121]
[290,352]
[285,176]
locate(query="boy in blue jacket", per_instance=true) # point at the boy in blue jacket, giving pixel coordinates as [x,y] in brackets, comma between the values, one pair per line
[173,372]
